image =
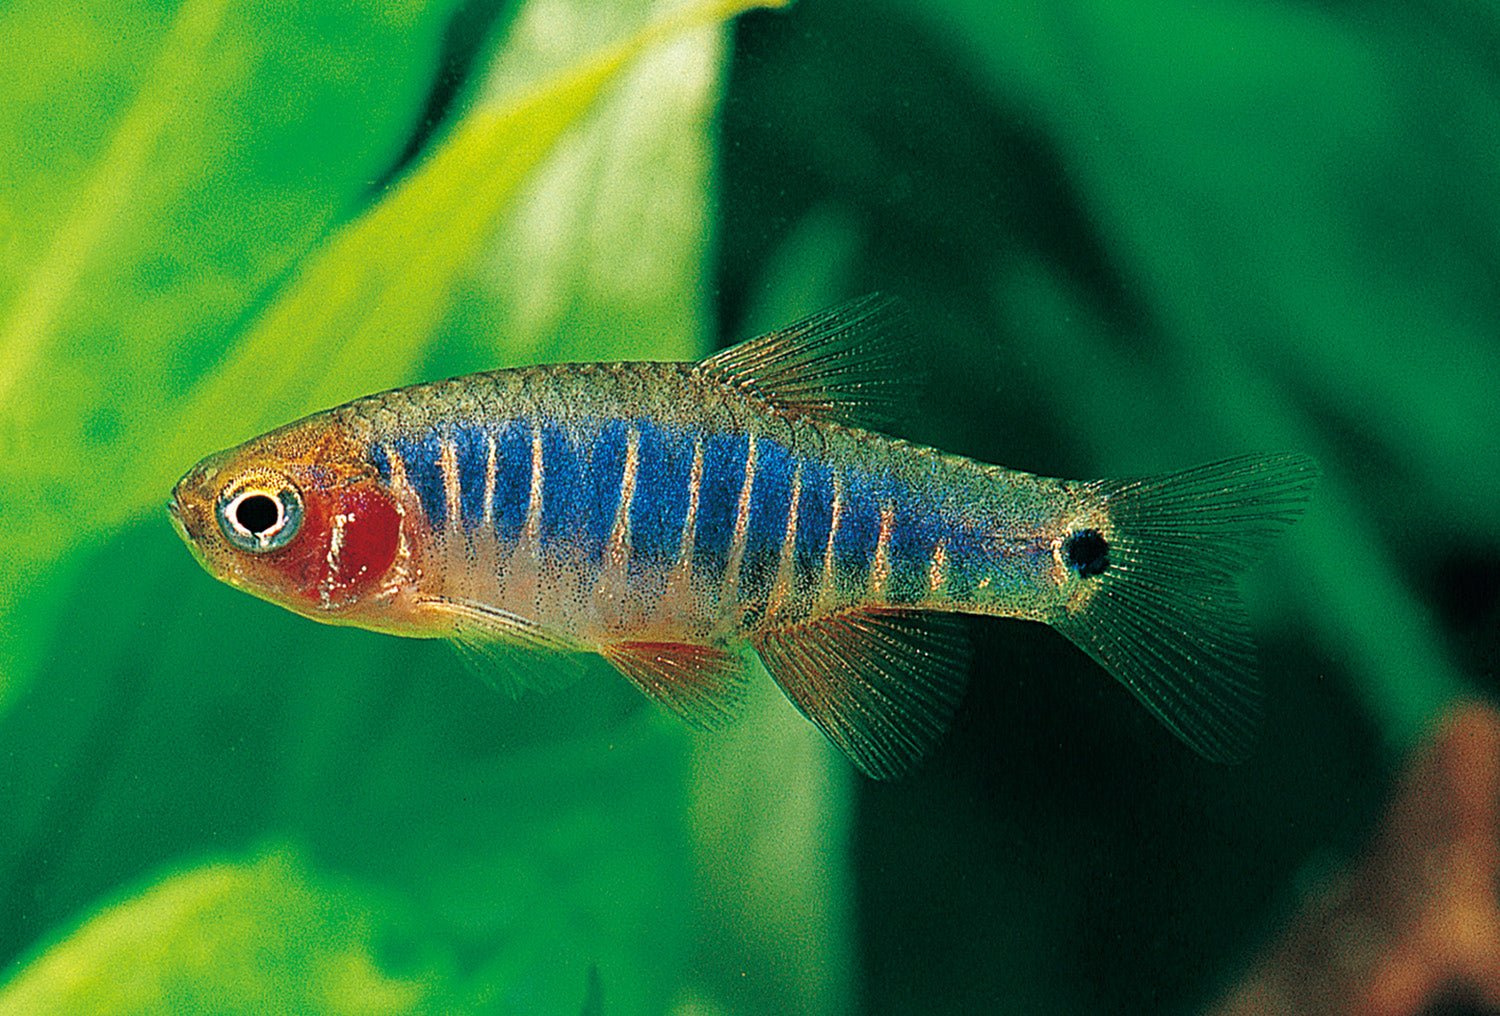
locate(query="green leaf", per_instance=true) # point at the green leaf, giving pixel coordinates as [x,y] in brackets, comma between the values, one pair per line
[1293,303]
[162,170]
[593,265]
[524,843]
[525,840]
[355,317]
[250,937]
[392,274]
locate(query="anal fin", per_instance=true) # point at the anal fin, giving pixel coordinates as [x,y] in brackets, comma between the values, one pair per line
[882,684]
[702,684]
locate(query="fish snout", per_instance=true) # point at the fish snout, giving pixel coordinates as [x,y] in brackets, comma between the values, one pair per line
[174,512]
[184,506]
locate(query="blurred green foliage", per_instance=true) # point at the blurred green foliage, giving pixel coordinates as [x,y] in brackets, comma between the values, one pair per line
[1136,236]
[498,852]
[1139,236]
[291,945]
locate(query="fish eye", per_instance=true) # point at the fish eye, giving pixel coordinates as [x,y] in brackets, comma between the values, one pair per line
[259,518]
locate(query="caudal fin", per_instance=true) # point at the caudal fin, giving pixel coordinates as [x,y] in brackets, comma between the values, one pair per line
[1166,619]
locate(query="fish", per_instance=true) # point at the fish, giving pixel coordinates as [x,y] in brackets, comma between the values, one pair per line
[681,518]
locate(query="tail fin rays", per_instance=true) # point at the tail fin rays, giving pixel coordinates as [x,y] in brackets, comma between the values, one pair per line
[1166,619]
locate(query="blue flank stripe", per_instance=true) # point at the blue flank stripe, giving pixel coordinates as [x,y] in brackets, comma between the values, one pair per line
[770,499]
[814,516]
[562,472]
[659,508]
[473,457]
[914,534]
[859,521]
[512,477]
[419,457]
[381,460]
[718,498]
[597,498]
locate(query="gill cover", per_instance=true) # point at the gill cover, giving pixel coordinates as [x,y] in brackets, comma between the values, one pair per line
[348,541]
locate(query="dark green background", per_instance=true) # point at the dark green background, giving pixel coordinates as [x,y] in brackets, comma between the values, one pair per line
[1140,236]
[1132,237]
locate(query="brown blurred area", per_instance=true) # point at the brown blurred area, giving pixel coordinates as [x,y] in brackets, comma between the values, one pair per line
[1414,926]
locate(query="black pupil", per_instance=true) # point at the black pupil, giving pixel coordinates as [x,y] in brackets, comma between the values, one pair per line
[257,513]
[1088,552]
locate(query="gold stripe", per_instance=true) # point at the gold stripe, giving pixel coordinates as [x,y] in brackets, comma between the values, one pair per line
[618,548]
[731,585]
[489,482]
[448,463]
[682,572]
[398,471]
[937,570]
[533,528]
[826,590]
[782,587]
[880,570]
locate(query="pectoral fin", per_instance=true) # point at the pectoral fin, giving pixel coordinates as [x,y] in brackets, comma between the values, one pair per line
[505,649]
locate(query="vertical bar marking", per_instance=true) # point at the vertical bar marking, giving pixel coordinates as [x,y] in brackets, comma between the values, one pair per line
[452,488]
[489,480]
[880,570]
[533,527]
[741,530]
[830,573]
[937,570]
[681,578]
[782,587]
[618,549]
[396,468]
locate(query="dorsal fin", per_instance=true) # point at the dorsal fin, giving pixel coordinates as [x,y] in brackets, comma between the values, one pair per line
[851,365]
[883,684]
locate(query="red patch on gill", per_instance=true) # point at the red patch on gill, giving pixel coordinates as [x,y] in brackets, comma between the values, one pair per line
[372,533]
[348,541]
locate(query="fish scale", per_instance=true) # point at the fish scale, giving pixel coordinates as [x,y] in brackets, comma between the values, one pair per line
[666,515]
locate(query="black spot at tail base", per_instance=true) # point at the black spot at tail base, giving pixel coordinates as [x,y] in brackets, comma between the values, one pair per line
[1088,553]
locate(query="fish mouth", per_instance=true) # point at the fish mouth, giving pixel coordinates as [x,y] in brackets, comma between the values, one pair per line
[179,523]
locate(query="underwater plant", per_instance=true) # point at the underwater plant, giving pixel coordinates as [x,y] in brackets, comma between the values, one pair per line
[216,215]
[1133,237]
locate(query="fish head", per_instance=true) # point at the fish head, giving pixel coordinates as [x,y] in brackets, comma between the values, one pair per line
[297,517]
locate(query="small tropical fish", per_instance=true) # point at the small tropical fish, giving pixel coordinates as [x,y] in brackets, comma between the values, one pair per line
[664,515]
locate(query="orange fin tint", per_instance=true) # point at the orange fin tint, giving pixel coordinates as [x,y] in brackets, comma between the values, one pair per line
[505,649]
[883,684]
[850,365]
[702,684]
